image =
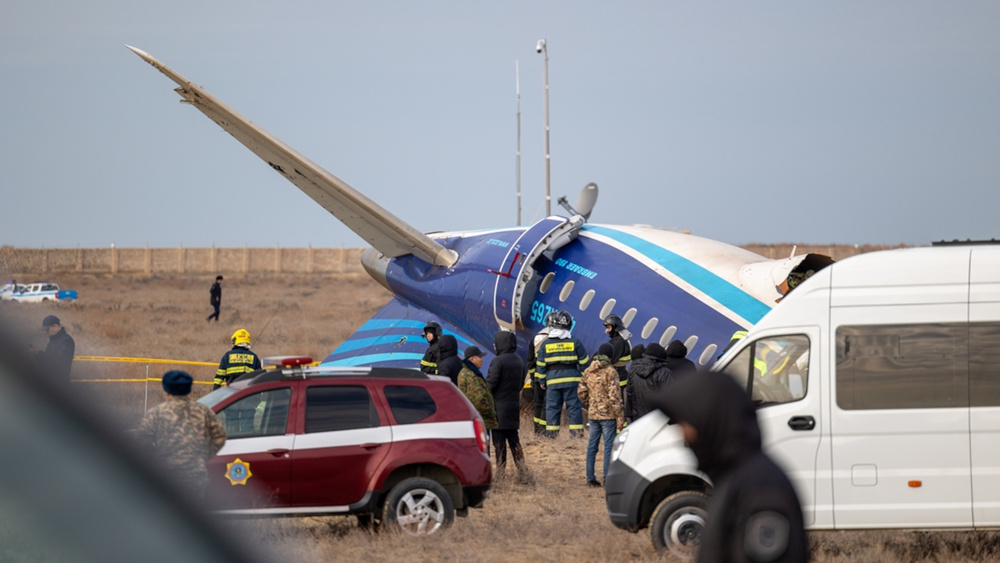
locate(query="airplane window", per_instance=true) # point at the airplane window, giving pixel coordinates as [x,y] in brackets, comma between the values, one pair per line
[566,290]
[609,306]
[629,315]
[587,298]
[707,354]
[649,328]
[667,335]
[546,282]
[691,342]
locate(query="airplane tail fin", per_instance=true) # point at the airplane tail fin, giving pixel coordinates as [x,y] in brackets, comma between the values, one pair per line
[380,228]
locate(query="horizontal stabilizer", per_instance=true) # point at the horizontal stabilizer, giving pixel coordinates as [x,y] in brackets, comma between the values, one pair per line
[394,337]
[380,228]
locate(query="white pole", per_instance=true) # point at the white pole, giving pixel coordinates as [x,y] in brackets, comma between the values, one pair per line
[517,154]
[542,47]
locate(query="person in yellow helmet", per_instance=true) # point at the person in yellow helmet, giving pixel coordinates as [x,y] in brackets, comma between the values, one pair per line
[237,361]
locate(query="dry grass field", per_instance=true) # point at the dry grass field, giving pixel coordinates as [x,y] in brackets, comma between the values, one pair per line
[555,518]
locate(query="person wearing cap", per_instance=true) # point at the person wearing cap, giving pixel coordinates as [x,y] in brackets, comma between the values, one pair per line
[182,434]
[215,298]
[754,513]
[57,358]
[505,377]
[473,385]
[648,375]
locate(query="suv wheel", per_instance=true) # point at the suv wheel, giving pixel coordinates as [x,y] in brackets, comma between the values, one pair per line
[419,506]
[679,523]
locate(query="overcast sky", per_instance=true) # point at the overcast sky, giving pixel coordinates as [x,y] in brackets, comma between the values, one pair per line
[815,122]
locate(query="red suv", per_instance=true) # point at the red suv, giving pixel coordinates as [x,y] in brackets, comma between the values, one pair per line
[391,445]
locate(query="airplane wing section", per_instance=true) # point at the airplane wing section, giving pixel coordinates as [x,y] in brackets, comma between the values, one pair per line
[394,337]
[383,230]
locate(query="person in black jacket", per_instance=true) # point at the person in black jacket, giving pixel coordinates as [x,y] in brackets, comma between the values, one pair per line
[646,377]
[57,359]
[449,364]
[621,349]
[429,363]
[505,378]
[215,299]
[754,514]
[676,360]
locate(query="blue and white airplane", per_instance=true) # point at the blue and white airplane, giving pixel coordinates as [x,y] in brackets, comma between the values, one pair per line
[665,285]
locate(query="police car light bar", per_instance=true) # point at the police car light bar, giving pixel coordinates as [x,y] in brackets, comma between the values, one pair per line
[287,361]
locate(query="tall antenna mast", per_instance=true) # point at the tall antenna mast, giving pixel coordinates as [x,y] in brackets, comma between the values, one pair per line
[542,47]
[517,154]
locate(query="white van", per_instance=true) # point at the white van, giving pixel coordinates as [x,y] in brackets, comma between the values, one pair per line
[878,384]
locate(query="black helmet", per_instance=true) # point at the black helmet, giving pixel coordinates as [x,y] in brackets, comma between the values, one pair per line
[560,319]
[615,322]
[434,327]
[550,319]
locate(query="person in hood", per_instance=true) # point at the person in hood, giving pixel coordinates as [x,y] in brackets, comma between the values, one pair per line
[449,364]
[429,363]
[646,377]
[677,360]
[473,385]
[754,514]
[601,396]
[504,377]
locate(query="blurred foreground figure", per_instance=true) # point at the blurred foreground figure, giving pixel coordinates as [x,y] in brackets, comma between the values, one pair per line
[754,514]
[183,434]
[57,358]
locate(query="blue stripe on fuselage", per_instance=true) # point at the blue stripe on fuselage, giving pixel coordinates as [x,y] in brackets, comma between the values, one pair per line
[722,291]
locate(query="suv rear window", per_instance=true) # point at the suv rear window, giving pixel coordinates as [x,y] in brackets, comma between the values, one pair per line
[339,407]
[409,404]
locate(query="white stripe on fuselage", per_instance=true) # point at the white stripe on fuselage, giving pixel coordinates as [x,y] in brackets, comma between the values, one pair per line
[670,276]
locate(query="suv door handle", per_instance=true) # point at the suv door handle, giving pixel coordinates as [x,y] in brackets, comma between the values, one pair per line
[278,452]
[370,446]
[802,423]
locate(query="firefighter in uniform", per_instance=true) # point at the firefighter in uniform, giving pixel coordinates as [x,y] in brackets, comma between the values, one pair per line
[621,348]
[237,361]
[429,363]
[561,361]
[537,380]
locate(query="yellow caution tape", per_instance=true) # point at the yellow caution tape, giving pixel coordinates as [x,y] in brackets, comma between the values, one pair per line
[140,360]
[154,379]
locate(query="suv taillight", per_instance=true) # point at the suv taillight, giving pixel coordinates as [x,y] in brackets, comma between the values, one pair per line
[480,428]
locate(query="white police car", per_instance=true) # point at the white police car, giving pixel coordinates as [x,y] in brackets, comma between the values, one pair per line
[36,292]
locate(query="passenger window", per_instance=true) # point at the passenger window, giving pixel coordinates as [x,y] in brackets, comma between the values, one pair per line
[609,306]
[984,364]
[629,315]
[566,290]
[409,403]
[668,335]
[546,282]
[587,298]
[649,327]
[775,369]
[339,407]
[903,366]
[260,414]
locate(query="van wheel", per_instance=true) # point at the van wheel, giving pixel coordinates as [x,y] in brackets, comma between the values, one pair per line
[679,523]
[419,507]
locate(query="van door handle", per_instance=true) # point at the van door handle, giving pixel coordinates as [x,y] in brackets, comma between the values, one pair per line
[802,423]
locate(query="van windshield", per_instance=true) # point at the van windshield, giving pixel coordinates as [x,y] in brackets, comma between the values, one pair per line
[774,369]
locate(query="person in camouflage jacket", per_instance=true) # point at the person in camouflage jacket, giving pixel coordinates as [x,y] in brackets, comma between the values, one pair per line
[182,434]
[601,395]
[473,385]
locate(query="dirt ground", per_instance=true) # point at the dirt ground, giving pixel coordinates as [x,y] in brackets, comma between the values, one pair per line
[554,517]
